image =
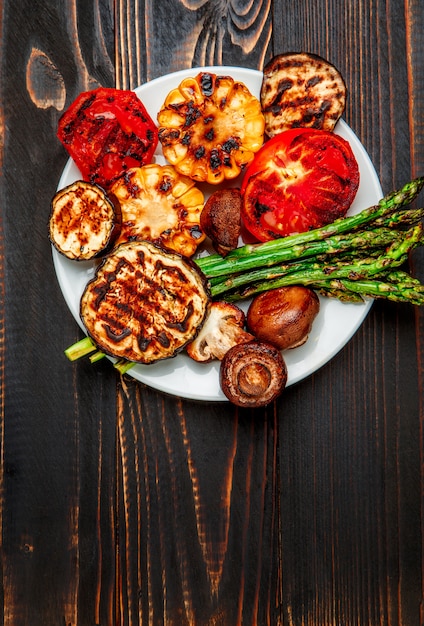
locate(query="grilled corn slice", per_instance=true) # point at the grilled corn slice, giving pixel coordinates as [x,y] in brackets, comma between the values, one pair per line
[159,205]
[210,127]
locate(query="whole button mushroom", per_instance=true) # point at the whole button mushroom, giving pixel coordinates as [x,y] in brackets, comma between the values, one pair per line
[283,316]
[220,219]
[253,374]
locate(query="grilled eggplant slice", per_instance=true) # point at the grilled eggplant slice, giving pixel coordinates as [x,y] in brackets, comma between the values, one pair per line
[83,222]
[144,304]
[300,89]
[159,205]
[210,127]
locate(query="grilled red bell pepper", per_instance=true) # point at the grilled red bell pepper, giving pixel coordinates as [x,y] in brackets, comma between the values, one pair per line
[106,131]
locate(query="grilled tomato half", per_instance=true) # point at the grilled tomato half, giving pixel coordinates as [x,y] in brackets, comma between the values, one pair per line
[144,304]
[301,179]
[106,131]
[158,204]
[210,127]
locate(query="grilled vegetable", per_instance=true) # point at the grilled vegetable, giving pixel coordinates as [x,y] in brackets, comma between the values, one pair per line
[83,221]
[223,329]
[253,374]
[221,219]
[158,204]
[106,131]
[144,304]
[210,127]
[284,316]
[300,179]
[301,90]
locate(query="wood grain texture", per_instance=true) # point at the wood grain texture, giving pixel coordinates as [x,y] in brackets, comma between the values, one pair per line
[121,505]
[155,38]
[197,498]
[56,419]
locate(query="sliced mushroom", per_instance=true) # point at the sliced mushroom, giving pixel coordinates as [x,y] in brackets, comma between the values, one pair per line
[253,374]
[283,316]
[222,329]
[220,219]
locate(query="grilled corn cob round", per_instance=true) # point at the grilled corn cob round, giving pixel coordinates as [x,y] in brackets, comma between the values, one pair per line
[210,127]
[160,205]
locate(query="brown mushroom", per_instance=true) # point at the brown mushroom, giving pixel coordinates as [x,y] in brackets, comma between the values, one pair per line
[283,316]
[222,329]
[253,374]
[220,219]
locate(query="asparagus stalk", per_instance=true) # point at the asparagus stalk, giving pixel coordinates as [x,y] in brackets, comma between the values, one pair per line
[347,289]
[379,238]
[406,217]
[81,348]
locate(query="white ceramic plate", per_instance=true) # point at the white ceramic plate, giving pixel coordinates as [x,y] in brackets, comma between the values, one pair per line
[180,376]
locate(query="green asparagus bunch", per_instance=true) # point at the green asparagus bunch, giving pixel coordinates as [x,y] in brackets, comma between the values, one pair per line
[353,258]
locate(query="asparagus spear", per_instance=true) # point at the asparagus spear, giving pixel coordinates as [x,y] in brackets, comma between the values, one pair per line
[378,238]
[406,217]
[81,348]
[345,289]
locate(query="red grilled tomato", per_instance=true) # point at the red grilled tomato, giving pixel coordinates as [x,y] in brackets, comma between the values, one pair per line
[107,131]
[300,179]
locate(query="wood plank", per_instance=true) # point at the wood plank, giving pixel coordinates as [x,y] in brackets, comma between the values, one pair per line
[58,420]
[148,44]
[197,508]
[352,488]
[197,482]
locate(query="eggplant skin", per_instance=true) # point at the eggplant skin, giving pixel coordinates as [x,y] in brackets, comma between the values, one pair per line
[301,89]
[84,222]
[144,303]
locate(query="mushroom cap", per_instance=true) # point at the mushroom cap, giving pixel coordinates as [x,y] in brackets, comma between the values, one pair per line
[253,374]
[220,219]
[283,316]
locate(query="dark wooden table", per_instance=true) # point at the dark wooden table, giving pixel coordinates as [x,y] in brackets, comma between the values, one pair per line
[123,505]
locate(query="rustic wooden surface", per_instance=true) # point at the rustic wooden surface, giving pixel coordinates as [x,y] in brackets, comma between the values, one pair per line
[121,505]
